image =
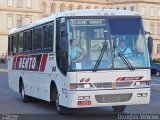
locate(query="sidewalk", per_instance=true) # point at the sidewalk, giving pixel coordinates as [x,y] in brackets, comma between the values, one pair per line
[3,67]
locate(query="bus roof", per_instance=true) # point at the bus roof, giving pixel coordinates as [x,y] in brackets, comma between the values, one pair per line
[86,12]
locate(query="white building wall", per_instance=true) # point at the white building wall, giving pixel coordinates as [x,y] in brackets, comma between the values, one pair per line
[3,44]
[33,12]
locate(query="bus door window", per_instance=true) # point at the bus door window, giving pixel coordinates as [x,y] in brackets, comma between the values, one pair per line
[61,45]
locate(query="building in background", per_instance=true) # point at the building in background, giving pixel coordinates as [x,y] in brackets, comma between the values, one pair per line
[17,13]
[53,6]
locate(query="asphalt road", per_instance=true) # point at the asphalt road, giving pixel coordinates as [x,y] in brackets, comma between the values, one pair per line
[12,107]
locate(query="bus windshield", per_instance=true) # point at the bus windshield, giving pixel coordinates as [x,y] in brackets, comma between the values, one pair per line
[106,43]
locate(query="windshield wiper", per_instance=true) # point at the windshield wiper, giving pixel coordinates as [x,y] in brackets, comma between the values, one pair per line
[123,57]
[100,57]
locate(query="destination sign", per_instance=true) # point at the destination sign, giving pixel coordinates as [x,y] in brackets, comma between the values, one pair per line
[87,22]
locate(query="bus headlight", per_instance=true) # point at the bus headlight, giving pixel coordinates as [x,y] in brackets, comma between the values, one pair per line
[81,85]
[142,83]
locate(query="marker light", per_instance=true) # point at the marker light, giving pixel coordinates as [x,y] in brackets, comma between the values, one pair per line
[142,83]
[81,85]
[142,94]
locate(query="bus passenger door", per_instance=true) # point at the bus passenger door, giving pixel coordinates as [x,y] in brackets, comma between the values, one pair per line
[61,46]
[61,56]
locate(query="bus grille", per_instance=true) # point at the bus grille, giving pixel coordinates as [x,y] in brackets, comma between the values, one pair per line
[103,85]
[109,84]
[112,98]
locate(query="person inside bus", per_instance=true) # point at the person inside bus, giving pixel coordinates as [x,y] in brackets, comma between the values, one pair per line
[123,48]
[14,50]
[76,53]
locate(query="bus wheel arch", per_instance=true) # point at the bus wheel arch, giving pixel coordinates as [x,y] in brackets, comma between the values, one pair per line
[20,84]
[53,89]
[54,96]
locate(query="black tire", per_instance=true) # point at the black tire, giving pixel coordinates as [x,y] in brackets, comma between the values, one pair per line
[24,97]
[60,109]
[119,109]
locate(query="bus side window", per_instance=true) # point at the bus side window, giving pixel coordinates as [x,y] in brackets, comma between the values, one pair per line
[45,37]
[20,43]
[14,44]
[11,51]
[48,37]
[37,39]
[9,45]
[28,41]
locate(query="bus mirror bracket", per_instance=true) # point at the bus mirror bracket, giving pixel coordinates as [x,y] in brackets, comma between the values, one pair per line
[150,42]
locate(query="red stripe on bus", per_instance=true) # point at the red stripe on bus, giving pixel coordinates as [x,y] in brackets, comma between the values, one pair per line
[43,62]
[14,63]
[119,78]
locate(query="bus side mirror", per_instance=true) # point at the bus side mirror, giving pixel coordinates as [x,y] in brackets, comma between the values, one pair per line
[150,44]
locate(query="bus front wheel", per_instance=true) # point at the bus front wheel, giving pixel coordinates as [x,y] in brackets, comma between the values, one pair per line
[61,109]
[24,97]
[119,109]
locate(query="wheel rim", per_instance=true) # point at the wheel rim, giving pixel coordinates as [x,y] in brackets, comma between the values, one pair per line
[57,102]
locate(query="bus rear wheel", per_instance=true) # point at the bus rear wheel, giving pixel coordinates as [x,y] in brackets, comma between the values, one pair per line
[24,97]
[119,109]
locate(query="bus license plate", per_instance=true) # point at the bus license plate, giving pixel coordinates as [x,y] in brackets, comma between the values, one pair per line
[84,103]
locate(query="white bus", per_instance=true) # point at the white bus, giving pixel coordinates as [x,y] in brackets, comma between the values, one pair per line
[96,72]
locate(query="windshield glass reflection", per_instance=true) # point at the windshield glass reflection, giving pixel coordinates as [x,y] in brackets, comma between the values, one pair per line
[86,39]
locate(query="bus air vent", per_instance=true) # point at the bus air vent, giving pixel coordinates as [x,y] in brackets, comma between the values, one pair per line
[112,98]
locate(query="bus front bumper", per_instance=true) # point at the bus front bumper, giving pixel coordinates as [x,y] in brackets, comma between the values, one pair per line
[98,98]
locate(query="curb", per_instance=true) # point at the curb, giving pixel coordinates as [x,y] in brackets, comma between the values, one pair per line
[158,89]
[155,87]
[3,70]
